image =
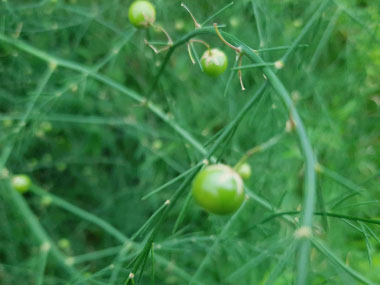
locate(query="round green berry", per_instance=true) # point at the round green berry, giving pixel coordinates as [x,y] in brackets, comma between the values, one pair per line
[21,183]
[214,62]
[218,189]
[142,14]
[244,171]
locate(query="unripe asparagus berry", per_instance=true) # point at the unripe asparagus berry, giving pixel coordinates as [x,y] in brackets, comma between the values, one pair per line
[218,189]
[214,62]
[244,171]
[21,183]
[142,14]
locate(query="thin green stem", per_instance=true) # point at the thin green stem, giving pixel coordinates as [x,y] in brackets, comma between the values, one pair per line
[44,253]
[150,221]
[322,43]
[95,255]
[172,181]
[258,23]
[216,14]
[250,66]
[259,148]
[334,215]
[182,213]
[153,264]
[279,48]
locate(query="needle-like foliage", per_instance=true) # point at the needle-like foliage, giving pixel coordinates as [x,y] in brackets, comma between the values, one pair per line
[112,123]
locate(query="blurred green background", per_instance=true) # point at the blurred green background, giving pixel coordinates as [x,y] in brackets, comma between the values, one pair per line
[94,147]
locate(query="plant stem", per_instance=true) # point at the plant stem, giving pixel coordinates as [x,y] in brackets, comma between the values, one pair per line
[259,148]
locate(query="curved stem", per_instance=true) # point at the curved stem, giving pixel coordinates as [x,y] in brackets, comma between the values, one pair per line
[190,54]
[201,42]
[238,50]
[196,24]
[240,73]
[333,215]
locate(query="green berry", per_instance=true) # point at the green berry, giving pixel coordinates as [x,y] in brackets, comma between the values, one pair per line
[142,14]
[64,243]
[218,189]
[21,183]
[214,62]
[244,171]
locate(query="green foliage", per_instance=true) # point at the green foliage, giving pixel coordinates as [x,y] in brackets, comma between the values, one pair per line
[113,134]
